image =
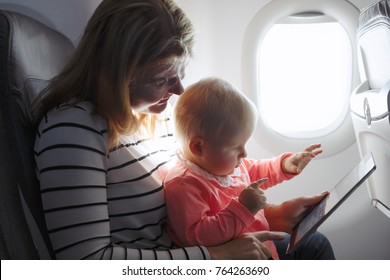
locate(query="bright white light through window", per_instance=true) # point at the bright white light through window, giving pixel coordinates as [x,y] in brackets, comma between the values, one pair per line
[304,78]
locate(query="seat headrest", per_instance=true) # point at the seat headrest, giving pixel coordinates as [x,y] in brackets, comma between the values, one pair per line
[36,54]
[374,15]
[374,44]
[31,54]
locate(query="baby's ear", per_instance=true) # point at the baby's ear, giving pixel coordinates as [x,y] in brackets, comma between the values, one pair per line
[196,145]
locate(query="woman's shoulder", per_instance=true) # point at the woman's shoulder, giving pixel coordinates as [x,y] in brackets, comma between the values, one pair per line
[81,114]
[72,110]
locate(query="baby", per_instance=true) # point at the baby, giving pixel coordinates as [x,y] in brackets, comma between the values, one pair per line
[214,193]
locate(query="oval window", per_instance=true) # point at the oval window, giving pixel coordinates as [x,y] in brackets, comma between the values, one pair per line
[304,67]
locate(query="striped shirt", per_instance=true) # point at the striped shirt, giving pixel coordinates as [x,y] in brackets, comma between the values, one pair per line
[100,203]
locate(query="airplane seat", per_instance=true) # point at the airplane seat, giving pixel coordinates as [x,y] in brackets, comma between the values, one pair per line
[30,55]
[370,101]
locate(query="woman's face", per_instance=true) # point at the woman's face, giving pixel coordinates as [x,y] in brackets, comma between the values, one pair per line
[151,92]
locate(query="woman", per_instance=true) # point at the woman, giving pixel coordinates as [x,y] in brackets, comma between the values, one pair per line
[103,142]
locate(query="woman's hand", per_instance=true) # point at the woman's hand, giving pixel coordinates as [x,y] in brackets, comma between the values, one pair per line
[248,246]
[296,163]
[286,216]
[252,197]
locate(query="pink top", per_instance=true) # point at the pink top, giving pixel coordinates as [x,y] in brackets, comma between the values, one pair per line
[203,209]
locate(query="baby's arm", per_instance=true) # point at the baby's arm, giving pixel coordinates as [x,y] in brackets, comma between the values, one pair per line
[297,162]
[283,167]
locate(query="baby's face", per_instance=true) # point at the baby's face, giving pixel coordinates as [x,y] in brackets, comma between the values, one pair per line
[223,154]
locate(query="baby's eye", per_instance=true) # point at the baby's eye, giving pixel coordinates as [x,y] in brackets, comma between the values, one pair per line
[232,149]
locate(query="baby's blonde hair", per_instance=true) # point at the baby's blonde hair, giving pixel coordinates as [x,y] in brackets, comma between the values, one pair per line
[210,107]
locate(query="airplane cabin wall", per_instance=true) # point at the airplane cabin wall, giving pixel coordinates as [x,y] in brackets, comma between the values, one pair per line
[357,230]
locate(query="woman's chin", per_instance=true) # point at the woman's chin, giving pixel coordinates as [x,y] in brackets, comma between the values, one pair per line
[156,108]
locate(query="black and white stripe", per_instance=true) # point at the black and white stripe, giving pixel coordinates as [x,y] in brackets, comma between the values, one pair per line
[102,204]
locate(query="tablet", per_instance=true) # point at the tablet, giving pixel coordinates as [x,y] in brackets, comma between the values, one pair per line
[337,195]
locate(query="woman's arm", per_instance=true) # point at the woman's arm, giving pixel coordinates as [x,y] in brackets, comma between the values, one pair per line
[70,155]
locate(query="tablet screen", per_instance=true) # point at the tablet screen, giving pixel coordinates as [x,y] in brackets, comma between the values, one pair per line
[337,195]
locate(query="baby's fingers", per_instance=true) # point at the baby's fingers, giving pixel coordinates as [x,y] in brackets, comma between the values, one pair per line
[313,149]
[258,183]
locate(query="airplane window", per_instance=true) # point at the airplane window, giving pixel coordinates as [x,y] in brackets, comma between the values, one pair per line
[299,67]
[304,68]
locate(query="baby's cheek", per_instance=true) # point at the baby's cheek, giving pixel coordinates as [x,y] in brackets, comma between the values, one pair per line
[229,165]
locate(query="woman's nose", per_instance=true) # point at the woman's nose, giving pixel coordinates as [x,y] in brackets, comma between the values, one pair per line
[177,88]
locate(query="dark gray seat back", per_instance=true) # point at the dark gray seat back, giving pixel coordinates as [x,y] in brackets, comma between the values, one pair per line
[30,55]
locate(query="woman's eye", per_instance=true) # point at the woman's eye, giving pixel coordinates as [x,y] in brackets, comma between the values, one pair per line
[171,81]
[160,82]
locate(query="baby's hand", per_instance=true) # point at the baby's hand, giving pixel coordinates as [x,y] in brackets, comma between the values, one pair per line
[296,163]
[252,197]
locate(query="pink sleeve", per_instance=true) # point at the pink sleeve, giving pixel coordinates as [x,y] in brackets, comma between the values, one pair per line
[190,222]
[271,168]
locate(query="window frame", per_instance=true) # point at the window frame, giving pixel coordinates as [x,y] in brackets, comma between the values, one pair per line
[343,12]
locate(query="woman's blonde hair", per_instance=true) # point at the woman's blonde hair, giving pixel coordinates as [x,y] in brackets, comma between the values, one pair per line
[121,37]
[210,107]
